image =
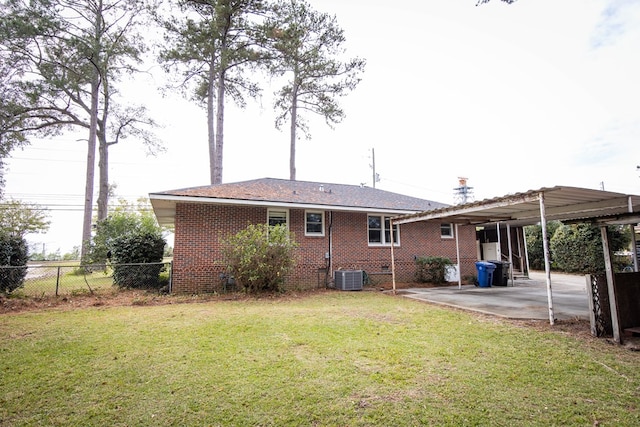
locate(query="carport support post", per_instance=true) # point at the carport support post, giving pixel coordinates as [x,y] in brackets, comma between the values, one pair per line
[526,252]
[634,246]
[613,300]
[458,257]
[547,264]
[510,253]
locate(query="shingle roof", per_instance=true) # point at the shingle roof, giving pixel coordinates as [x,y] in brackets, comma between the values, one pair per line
[271,191]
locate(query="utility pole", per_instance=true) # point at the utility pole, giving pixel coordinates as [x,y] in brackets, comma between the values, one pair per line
[376,177]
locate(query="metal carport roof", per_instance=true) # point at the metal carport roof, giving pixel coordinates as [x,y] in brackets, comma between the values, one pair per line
[560,203]
[568,204]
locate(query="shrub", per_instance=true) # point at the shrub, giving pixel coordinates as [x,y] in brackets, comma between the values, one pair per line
[534,243]
[125,220]
[138,248]
[577,248]
[13,262]
[260,256]
[431,269]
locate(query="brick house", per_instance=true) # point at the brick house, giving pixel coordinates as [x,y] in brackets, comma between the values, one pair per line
[336,226]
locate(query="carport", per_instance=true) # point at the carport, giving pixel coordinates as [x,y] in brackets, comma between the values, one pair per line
[562,203]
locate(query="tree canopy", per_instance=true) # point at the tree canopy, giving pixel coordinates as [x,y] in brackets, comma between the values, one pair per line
[19,219]
[210,43]
[307,49]
[68,57]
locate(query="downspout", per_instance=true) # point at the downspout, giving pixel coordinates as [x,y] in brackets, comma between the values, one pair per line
[393,260]
[329,260]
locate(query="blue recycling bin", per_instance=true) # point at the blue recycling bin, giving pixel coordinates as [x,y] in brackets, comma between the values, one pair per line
[485,273]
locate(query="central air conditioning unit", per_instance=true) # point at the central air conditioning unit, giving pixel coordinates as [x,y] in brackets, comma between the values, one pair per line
[348,280]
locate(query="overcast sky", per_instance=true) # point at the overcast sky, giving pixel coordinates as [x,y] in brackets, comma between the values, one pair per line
[535,94]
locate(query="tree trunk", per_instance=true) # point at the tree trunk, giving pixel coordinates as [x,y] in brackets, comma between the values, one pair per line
[103,172]
[219,129]
[91,164]
[292,150]
[211,133]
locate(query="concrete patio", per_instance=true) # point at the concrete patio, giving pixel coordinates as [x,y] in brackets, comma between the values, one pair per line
[524,299]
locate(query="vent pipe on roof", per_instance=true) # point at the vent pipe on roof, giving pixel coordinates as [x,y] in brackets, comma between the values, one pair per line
[321,189]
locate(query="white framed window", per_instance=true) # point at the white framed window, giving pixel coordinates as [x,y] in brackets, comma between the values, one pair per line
[379,229]
[278,217]
[446,231]
[314,223]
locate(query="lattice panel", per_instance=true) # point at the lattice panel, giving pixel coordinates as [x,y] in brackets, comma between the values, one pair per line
[601,308]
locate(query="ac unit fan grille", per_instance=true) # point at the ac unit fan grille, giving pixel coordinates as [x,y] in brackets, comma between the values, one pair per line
[348,280]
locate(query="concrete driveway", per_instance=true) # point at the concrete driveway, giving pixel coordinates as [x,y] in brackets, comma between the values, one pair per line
[525,299]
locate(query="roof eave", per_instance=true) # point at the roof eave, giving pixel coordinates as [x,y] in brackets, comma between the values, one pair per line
[164,205]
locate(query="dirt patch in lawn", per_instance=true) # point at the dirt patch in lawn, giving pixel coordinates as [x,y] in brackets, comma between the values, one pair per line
[115,298]
[127,297]
[110,298]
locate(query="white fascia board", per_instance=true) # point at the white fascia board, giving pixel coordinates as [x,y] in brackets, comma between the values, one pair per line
[266,203]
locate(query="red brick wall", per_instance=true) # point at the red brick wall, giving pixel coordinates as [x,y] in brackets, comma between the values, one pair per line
[200,228]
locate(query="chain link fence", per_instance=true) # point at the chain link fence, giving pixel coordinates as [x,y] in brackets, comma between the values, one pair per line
[55,278]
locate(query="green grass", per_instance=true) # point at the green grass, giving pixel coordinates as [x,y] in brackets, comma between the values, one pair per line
[65,277]
[333,359]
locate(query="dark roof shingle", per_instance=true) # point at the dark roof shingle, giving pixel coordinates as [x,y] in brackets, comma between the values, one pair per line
[305,192]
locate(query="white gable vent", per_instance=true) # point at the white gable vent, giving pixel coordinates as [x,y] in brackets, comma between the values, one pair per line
[348,280]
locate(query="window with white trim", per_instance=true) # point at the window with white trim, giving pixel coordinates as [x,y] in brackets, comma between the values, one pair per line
[446,231]
[379,229]
[314,223]
[278,217]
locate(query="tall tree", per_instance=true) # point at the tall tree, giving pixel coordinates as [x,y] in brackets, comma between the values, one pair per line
[72,54]
[211,43]
[307,49]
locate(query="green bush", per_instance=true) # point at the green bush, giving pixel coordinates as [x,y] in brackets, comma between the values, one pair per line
[260,256]
[125,220]
[535,251]
[138,248]
[431,269]
[577,248]
[13,262]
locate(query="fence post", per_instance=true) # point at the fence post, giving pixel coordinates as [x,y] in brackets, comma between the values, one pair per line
[57,280]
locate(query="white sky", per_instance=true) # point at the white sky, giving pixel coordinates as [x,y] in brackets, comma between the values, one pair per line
[539,93]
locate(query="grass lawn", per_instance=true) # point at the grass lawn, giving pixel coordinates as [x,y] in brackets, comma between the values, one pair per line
[327,359]
[47,278]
